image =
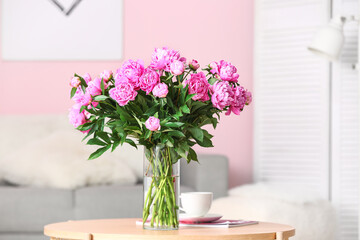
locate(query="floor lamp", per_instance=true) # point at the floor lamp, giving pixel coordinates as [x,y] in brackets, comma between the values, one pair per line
[328,43]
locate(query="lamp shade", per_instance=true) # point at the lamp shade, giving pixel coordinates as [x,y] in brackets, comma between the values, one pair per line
[329,40]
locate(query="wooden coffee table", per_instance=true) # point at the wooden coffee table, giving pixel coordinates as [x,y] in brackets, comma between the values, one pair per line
[116,229]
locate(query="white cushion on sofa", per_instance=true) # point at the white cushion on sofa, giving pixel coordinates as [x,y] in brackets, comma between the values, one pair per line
[60,160]
[312,217]
[18,130]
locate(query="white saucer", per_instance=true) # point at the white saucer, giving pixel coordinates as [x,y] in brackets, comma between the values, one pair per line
[210,217]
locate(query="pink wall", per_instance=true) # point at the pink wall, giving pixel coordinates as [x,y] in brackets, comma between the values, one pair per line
[203,29]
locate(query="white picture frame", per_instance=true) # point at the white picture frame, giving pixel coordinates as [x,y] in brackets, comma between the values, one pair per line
[61,30]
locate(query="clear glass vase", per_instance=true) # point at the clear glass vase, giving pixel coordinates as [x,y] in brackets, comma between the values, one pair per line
[161,188]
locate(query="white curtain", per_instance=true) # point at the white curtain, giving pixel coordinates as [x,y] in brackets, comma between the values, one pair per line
[306,110]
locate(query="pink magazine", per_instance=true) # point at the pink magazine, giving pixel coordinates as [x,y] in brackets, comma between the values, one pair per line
[218,223]
[215,224]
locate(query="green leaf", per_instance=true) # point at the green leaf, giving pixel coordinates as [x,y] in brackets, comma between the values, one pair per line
[156,135]
[207,134]
[181,152]
[142,102]
[173,124]
[96,141]
[163,102]
[73,91]
[82,80]
[101,124]
[169,102]
[196,105]
[197,133]
[183,94]
[132,128]
[214,122]
[104,136]
[83,88]
[188,97]
[135,107]
[174,156]
[115,144]
[121,132]
[213,80]
[91,110]
[99,152]
[169,144]
[177,115]
[191,143]
[85,126]
[116,123]
[123,113]
[184,146]
[100,98]
[151,111]
[82,108]
[206,142]
[102,86]
[92,130]
[185,109]
[170,139]
[131,142]
[138,121]
[176,134]
[192,155]
[147,134]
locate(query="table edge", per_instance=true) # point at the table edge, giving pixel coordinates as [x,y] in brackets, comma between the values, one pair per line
[89,236]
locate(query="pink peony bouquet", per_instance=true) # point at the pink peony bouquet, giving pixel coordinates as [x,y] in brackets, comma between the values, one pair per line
[167,102]
[163,107]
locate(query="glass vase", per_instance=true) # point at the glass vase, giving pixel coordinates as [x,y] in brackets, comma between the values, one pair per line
[161,188]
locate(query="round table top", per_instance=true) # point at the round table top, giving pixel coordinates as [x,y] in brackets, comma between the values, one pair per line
[116,229]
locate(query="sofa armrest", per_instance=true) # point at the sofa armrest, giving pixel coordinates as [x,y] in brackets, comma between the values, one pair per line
[209,175]
[3,183]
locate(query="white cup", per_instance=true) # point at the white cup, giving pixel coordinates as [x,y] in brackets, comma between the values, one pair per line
[196,204]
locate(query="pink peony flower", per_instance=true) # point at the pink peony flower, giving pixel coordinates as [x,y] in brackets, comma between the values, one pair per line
[198,84]
[106,75]
[153,124]
[214,67]
[183,60]
[248,96]
[93,104]
[225,70]
[94,87]
[238,100]
[132,70]
[160,90]
[82,98]
[76,117]
[194,65]
[123,92]
[86,77]
[75,82]
[221,94]
[163,57]
[177,67]
[149,80]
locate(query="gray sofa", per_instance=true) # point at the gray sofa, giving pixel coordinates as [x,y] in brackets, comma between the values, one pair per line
[25,210]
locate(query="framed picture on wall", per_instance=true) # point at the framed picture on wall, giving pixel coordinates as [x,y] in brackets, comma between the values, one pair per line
[61,29]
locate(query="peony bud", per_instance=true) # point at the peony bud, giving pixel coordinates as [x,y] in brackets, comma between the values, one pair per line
[75,82]
[177,67]
[160,90]
[194,65]
[153,124]
[106,75]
